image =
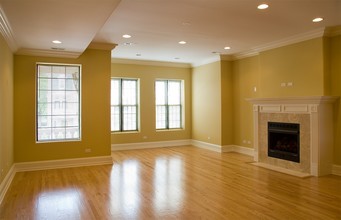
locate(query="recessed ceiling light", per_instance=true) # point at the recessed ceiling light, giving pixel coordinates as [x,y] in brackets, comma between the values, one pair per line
[317,20]
[126,36]
[227,48]
[262,6]
[56,42]
[182,42]
[186,23]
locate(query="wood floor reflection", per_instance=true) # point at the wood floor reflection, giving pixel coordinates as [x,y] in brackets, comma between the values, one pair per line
[171,183]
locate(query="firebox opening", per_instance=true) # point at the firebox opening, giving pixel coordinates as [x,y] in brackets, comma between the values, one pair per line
[284,141]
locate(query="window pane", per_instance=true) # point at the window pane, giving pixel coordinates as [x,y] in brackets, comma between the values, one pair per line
[72,133]
[58,72]
[44,96]
[124,107]
[115,118]
[115,92]
[58,96]
[128,92]
[44,108]
[72,121]
[129,118]
[72,96]
[160,92]
[58,111]
[58,84]
[168,104]
[161,117]
[44,122]
[44,71]
[72,72]
[58,121]
[44,134]
[58,133]
[174,93]
[175,116]
[71,108]
[71,84]
[44,84]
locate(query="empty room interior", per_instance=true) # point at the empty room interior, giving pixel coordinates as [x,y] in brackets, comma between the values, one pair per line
[183,109]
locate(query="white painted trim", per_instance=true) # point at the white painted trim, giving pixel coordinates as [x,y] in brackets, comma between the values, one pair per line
[6,31]
[281,43]
[146,145]
[207,146]
[48,53]
[244,150]
[281,169]
[65,163]
[149,63]
[336,170]
[238,149]
[6,183]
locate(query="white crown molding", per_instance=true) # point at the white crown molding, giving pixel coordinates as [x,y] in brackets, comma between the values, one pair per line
[147,145]
[336,170]
[150,63]
[6,31]
[64,163]
[245,54]
[6,182]
[48,53]
[280,43]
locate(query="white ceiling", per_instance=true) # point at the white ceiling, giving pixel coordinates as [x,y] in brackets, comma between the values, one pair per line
[157,26]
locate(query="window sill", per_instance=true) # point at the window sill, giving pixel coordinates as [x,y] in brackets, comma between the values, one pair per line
[125,132]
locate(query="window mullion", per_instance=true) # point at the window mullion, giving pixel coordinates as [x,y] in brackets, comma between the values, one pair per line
[121,104]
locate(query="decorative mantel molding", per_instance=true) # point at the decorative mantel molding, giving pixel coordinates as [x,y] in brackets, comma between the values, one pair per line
[319,134]
[294,100]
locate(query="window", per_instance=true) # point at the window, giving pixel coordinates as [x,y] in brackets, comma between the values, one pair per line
[124,108]
[168,104]
[58,102]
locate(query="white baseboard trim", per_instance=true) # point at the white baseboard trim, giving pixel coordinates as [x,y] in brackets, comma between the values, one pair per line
[146,145]
[336,170]
[207,146]
[6,183]
[65,163]
[238,149]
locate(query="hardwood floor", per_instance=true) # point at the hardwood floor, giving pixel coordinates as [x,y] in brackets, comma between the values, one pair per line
[171,183]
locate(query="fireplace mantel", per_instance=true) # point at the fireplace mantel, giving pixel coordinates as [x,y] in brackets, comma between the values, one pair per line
[315,113]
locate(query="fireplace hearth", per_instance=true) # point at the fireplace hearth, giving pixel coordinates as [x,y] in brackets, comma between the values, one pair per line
[284,141]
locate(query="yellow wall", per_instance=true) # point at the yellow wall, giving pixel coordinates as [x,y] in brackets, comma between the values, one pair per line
[245,80]
[227,113]
[300,63]
[335,67]
[95,102]
[206,103]
[147,75]
[6,108]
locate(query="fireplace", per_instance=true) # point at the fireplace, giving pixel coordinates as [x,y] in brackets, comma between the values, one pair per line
[284,141]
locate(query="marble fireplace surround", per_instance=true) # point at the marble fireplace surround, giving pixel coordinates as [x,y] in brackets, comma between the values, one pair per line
[315,116]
